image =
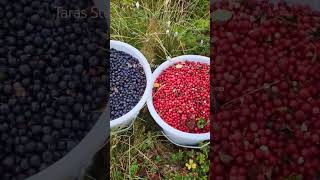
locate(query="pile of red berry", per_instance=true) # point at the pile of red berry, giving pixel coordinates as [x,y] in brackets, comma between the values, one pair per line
[181,96]
[266,84]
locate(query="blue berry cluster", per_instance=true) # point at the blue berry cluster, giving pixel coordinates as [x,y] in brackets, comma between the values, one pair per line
[52,81]
[127,83]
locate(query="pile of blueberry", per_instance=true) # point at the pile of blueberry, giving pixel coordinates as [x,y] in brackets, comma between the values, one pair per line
[128,82]
[52,82]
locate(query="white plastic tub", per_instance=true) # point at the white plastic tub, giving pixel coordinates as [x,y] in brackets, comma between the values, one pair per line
[129,117]
[180,138]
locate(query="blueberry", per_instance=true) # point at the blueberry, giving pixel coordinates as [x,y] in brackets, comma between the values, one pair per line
[7,88]
[35,161]
[12,61]
[57,123]
[127,83]
[28,10]
[21,176]
[31,172]
[40,147]
[77,108]
[53,78]
[4,127]
[22,131]
[24,164]
[8,161]
[44,58]
[64,108]
[93,61]
[20,149]
[23,139]
[67,124]
[31,146]
[11,40]
[70,100]
[27,114]
[78,68]
[46,130]
[101,92]
[47,156]
[35,106]
[7,176]
[21,33]
[4,108]
[54,93]
[41,96]
[35,19]
[25,69]
[70,145]
[35,4]
[38,41]
[73,48]
[29,49]
[36,129]
[50,111]
[75,124]
[63,84]
[91,47]
[47,139]
[43,166]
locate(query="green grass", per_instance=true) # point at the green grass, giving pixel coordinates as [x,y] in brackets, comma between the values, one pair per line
[162,28]
[159,29]
[143,153]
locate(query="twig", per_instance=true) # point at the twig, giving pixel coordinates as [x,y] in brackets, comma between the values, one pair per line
[90,177]
[148,159]
[265,86]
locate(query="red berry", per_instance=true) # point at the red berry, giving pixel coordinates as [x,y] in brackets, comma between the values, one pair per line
[271,84]
[182,97]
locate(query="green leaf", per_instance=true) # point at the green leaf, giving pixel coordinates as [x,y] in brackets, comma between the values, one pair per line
[158,159]
[134,168]
[177,157]
[201,158]
[221,15]
[201,123]
[202,24]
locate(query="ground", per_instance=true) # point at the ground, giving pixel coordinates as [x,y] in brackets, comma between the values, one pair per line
[143,153]
[159,29]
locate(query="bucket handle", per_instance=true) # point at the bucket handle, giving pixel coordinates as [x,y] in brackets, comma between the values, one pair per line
[185,146]
[123,129]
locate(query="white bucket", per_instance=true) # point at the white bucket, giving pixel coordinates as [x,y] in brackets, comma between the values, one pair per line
[180,138]
[129,117]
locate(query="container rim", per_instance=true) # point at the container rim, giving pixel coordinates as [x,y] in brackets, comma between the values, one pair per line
[165,126]
[148,74]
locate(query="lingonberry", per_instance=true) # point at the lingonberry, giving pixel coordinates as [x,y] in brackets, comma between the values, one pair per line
[181,97]
[271,83]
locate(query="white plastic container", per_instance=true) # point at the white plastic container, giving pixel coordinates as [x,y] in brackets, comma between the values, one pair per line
[129,117]
[180,138]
